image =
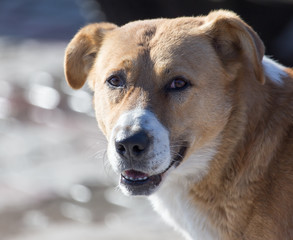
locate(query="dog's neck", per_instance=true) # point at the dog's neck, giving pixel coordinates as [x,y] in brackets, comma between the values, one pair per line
[250,145]
[239,164]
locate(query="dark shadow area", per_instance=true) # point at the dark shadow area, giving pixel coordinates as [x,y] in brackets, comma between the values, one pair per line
[272,20]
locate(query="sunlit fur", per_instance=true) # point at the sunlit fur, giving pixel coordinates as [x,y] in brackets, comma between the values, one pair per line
[273,70]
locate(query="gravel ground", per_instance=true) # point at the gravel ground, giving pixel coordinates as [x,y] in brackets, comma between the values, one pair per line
[55,182]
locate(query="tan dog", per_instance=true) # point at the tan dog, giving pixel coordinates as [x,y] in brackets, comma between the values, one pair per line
[197,118]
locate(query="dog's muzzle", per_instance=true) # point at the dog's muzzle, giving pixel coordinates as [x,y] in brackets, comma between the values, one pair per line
[139,151]
[132,150]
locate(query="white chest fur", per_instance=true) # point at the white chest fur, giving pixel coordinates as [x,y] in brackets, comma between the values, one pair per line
[173,202]
[175,206]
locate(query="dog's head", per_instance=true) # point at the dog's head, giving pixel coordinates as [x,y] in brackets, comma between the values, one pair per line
[163,88]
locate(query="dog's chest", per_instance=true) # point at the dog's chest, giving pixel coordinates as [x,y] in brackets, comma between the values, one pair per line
[174,204]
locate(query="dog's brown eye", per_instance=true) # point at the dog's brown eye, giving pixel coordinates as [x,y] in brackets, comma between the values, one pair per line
[115,81]
[177,84]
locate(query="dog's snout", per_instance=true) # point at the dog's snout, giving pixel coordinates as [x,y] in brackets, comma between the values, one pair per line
[133,146]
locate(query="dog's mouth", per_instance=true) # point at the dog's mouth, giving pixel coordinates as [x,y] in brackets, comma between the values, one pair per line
[140,183]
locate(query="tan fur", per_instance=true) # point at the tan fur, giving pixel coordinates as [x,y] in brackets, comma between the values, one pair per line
[248,191]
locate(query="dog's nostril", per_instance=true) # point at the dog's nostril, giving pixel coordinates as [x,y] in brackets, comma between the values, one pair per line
[120,148]
[137,149]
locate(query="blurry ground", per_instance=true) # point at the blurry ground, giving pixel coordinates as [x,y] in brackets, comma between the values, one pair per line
[54,178]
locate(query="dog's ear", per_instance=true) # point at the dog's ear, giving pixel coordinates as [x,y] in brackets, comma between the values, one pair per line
[81,52]
[233,40]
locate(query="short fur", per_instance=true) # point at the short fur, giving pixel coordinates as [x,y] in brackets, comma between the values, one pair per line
[236,116]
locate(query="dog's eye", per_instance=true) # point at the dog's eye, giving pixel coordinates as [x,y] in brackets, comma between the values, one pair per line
[115,81]
[178,84]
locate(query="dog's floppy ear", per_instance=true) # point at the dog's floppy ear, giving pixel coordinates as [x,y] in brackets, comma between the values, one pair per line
[233,39]
[81,52]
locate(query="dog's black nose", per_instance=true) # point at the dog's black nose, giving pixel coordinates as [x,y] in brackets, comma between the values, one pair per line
[133,146]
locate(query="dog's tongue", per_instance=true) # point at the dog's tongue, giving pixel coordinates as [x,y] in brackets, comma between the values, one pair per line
[135,175]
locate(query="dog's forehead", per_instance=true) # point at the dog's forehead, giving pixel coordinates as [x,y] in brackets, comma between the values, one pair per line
[157,40]
[131,37]
[147,33]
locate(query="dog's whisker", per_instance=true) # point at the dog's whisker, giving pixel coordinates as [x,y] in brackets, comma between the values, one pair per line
[98,155]
[106,164]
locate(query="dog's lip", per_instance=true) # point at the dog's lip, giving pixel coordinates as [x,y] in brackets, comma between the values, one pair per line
[133,176]
[137,179]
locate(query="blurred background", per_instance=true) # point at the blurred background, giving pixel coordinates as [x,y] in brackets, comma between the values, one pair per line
[55,182]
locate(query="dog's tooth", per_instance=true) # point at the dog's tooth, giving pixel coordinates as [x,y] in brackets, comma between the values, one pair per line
[142,178]
[133,178]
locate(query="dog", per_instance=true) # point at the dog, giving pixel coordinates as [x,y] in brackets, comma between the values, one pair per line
[197,118]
